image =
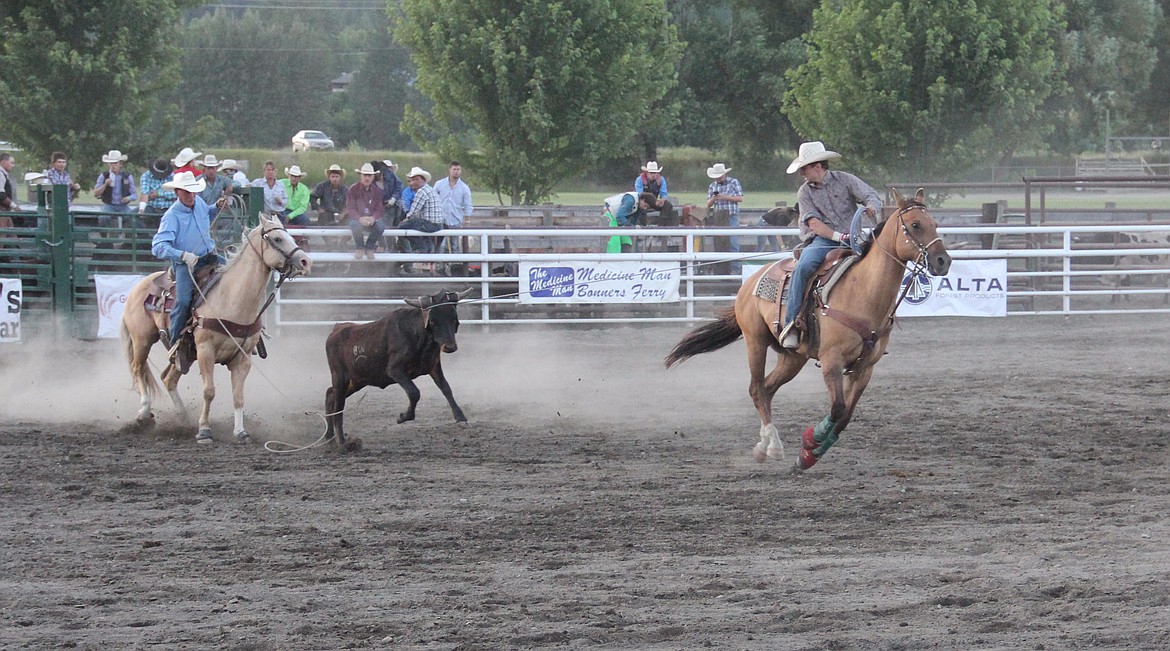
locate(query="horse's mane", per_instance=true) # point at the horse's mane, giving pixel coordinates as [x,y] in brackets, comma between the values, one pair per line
[868,244]
[232,252]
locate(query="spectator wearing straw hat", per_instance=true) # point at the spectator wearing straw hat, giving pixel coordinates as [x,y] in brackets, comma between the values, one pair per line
[154,198]
[652,182]
[275,197]
[218,185]
[723,198]
[185,161]
[231,169]
[296,212]
[116,189]
[184,239]
[363,208]
[425,214]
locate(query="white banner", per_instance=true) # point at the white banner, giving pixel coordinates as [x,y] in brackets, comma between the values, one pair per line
[111,296]
[11,301]
[972,288]
[569,281]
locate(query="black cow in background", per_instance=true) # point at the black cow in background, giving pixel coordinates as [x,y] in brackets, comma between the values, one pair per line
[395,349]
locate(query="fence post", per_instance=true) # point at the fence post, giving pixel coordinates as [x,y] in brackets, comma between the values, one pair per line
[61,250]
[253,205]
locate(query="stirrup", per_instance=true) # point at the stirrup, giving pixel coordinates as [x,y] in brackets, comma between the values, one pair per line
[790,337]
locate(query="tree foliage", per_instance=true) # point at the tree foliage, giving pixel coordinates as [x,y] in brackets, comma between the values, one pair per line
[532,91]
[927,88]
[85,76]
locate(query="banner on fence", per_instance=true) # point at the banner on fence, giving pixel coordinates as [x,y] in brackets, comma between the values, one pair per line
[569,281]
[971,288]
[111,296]
[12,295]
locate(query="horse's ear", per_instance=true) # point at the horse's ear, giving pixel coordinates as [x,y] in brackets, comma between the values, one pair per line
[898,197]
[920,196]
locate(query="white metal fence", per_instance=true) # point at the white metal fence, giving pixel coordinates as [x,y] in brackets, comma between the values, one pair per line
[1051,270]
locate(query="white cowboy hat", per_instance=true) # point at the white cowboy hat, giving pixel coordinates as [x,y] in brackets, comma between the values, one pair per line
[652,167]
[30,177]
[811,152]
[391,164]
[717,170]
[335,168]
[366,169]
[211,161]
[186,181]
[295,170]
[114,156]
[418,171]
[185,156]
[229,164]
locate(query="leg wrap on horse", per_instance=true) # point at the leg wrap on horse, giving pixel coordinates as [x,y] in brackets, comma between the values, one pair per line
[825,434]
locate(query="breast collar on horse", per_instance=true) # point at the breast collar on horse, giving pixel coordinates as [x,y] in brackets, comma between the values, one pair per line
[243,331]
[870,337]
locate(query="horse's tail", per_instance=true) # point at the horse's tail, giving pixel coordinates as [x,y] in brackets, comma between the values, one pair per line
[713,336]
[139,372]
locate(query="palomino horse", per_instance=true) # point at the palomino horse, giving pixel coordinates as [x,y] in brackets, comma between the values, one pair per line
[850,337]
[234,304]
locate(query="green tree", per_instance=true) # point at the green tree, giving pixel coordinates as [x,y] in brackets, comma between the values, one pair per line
[529,92]
[926,89]
[86,76]
[381,89]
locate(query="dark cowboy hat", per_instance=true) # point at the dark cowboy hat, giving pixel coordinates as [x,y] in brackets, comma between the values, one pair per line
[161,168]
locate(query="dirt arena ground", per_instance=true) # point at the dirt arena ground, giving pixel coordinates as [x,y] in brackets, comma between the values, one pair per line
[1003,486]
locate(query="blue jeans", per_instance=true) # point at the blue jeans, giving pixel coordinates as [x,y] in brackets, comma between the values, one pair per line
[372,239]
[416,244]
[300,220]
[109,209]
[811,258]
[185,293]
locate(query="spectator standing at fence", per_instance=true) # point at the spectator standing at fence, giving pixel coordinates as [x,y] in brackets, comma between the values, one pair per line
[723,198]
[154,199]
[425,214]
[363,208]
[217,185]
[116,189]
[454,197]
[231,169]
[296,213]
[827,201]
[391,192]
[58,175]
[8,192]
[275,198]
[651,181]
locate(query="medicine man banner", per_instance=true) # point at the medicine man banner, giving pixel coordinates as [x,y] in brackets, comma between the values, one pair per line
[111,295]
[972,288]
[11,299]
[568,281]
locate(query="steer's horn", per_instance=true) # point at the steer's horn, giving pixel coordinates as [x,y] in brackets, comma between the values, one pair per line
[463,294]
[413,302]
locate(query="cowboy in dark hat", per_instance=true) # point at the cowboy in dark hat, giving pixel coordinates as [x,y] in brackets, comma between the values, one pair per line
[156,198]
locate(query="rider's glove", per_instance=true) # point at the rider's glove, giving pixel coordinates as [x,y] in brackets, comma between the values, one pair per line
[190,259]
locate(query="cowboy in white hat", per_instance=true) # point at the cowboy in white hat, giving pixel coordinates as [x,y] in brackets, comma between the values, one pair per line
[425,214]
[184,238]
[363,208]
[185,161]
[230,167]
[392,187]
[827,200]
[328,198]
[218,185]
[116,189]
[296,213]
[723,198]
[652,181]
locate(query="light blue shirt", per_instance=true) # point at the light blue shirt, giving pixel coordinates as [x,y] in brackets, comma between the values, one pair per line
[455,201]
[183,229]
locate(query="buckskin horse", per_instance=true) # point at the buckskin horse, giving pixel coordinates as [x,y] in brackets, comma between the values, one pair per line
[848,338]
[233,306]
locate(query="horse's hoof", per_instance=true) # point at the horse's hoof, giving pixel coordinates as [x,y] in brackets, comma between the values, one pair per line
[243,438]
[462,424]
[352,445]
[203,436]
[806,460]
[808,440]
[776,452]
[145,418]
[760,453]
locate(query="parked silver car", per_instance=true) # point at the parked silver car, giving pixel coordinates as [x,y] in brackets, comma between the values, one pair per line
[308,139]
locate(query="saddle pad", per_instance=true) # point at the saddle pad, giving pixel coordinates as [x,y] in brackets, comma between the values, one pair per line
[768,286]
[835,274]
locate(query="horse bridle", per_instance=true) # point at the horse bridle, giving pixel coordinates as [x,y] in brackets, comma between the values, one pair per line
[923,252]
[286,269]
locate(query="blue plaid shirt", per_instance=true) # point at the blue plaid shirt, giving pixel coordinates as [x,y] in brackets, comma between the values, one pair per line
[148,184]
[730,187]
